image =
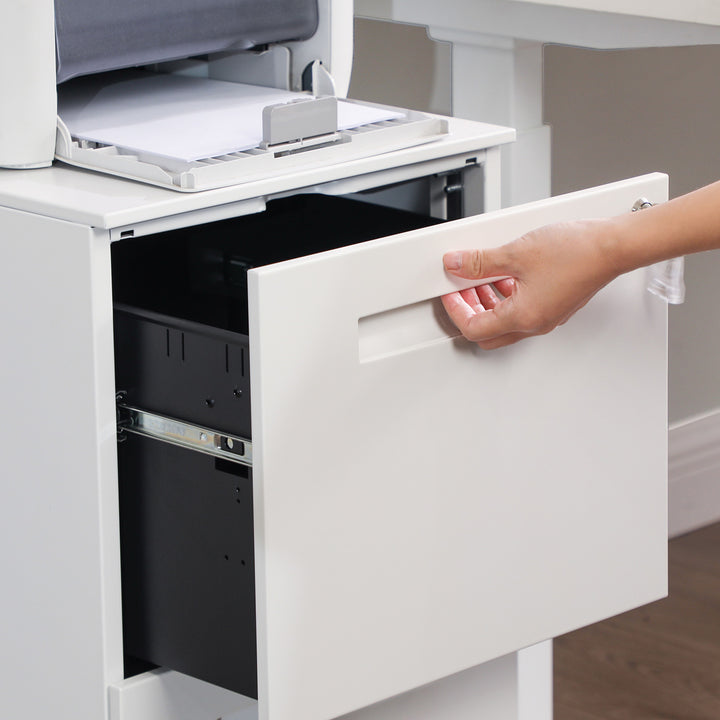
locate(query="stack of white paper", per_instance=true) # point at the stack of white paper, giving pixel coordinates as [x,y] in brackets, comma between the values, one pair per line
[184,118]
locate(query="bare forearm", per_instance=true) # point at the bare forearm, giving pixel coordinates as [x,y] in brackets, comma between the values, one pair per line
[685,225]
[556,269]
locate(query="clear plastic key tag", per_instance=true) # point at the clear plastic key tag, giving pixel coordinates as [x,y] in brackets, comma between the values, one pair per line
[665,279]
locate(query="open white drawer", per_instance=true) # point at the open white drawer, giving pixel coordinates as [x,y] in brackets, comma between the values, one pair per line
[422,506]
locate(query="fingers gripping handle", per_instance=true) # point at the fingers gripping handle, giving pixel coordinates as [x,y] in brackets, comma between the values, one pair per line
[665,279]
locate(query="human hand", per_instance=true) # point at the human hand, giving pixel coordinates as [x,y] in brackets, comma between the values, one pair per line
[551,273]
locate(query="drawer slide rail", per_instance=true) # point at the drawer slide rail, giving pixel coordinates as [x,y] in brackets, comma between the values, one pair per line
[183,434]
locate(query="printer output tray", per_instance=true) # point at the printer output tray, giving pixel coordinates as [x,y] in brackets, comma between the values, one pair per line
[197,109]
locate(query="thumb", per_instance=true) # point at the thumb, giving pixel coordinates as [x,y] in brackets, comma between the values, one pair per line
[477,264]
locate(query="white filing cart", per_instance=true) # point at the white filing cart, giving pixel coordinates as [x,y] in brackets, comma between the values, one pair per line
[421,507]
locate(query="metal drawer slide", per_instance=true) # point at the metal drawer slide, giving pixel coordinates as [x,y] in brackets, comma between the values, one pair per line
[183,434]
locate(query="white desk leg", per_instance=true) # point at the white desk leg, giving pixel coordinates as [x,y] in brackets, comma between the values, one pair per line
[499,80]
[487,692]
[535,682]
[492,181]
[515,687]
[496,79]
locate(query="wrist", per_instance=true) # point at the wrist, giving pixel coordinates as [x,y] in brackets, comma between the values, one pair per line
[616,245]
[638,239]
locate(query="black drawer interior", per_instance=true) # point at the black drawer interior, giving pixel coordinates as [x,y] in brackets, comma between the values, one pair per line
[181,350]
[187,561]
[199,273]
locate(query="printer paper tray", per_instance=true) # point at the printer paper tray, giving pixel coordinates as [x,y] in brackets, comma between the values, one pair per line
[251,165]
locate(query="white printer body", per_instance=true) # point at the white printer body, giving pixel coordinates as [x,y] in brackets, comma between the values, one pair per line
[249,469]
[29,74]
[250,53]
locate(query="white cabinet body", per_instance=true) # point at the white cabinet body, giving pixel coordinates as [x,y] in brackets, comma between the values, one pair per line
[421,507]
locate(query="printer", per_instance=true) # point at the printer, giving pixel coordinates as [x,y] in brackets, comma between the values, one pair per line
[261,498]
[265,77]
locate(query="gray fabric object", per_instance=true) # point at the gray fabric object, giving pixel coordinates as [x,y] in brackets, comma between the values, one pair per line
[98,35]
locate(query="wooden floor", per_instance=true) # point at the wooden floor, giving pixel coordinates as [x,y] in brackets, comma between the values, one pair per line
[660,662]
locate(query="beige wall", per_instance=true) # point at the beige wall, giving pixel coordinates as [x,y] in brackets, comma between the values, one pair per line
[622,113]
[399,65]
[614,114]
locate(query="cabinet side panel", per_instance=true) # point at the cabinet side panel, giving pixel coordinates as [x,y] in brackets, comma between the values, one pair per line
[59,549]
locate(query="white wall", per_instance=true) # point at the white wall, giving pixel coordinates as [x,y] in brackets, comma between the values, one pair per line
[614,114]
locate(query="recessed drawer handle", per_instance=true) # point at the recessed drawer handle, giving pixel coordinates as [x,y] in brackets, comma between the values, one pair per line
[403,329]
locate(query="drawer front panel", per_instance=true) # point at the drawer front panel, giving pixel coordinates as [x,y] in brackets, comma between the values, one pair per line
[422,506]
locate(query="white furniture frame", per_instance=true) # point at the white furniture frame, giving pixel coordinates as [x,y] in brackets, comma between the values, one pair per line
[497,58]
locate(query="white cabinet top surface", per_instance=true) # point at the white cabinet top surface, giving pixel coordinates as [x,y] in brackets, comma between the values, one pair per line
[98,200]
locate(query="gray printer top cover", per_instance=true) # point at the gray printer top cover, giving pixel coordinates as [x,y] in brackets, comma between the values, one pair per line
[98,35]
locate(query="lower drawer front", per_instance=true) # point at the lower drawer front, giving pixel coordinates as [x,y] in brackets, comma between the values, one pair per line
[446,505]
[188,562]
